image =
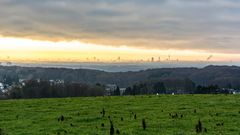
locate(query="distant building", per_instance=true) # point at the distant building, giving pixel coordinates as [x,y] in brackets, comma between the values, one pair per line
[229,91]
[236,92]
[1,89]
[177,91]
[152,59]
[38,80]
[122,91]
[109,89]
[55,82]
[22,82]
[59,81]
[1,86]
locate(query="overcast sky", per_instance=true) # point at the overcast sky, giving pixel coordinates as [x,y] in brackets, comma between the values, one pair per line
[209,25]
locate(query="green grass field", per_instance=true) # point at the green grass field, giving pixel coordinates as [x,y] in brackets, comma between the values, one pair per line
[219,114]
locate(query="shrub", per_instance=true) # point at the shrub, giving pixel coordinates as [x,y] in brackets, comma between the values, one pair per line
[118,132]
[144,124]
[199,127]
[111,128]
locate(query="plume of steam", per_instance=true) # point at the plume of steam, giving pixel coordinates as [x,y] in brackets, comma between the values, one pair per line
[209,57]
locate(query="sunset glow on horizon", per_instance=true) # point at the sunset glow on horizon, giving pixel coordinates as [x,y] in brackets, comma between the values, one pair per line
[27,50]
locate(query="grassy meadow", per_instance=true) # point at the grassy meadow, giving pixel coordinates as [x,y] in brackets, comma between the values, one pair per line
[163,115]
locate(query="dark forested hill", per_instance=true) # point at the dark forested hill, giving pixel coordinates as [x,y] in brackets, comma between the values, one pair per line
[221,75]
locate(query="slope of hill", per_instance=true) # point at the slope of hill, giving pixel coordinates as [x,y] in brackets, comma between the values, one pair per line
[220,75]
[164,114]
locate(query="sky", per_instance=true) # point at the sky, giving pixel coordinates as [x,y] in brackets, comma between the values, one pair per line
[134,30]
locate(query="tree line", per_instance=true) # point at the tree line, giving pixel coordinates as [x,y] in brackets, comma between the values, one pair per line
[46,89]
[185,86]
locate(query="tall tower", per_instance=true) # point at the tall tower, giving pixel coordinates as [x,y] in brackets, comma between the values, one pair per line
[152,60]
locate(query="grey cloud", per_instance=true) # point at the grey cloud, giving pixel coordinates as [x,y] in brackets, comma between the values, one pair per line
[160,24]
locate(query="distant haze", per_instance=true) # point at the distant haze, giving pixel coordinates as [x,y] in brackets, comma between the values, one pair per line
[121,67]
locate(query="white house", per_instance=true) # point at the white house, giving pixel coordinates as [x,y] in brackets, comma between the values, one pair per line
[236,92]
[1,86]
[1,89]
[122,91]
[110,88]
[22,82]
[55,82]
